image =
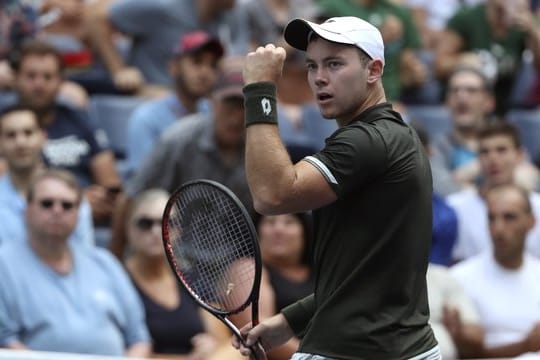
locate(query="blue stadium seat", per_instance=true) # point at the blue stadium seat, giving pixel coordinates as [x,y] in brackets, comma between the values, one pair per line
[6,98]
[112,113]
[528,123]
[434,118]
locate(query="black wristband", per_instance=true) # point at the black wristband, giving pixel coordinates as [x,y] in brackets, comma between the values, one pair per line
[260,103]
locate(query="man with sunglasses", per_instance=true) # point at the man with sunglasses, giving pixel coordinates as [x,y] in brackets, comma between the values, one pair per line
[59,297]
[21,144]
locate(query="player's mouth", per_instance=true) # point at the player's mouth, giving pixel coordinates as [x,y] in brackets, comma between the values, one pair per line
[324,98]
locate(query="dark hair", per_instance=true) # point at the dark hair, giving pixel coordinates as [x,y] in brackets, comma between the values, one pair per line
[39,48]
[58,174]
[307,226]
[500,128]
[17,107]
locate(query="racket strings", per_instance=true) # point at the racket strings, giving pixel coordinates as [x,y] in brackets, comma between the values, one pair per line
[213,249]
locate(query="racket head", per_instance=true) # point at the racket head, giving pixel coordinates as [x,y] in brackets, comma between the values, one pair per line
[211,245]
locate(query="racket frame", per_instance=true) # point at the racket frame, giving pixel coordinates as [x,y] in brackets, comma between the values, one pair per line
[253,298]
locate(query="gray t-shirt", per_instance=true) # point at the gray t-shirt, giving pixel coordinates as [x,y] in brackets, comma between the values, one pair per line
[94,309]
[187,151]
[156,26]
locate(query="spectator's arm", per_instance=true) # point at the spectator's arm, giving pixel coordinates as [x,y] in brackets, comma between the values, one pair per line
[118,229]
[101,35]
[103,166]
[139,350]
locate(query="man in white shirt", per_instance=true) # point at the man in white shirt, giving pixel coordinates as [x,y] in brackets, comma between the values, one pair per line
[500,152]
[503,282]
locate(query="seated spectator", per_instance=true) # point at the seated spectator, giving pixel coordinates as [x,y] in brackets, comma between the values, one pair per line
[453,317]
[491,36]
[194,70]
[176,323]
[154,28]
[202,146]
[56,296]
[21,144]
[285,242]
[503,281]
[73,142]
[22,22]
[500,152]
[470,101]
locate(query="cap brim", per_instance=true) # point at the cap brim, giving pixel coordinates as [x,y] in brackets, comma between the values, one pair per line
[297,32]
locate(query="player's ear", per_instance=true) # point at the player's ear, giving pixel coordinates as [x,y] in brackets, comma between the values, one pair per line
[375,70]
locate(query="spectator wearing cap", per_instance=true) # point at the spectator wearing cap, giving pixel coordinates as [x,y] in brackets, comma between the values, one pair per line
[156,27]
[194,70]
[207,145]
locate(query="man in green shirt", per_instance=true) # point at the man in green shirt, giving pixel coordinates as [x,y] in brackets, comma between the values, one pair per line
[370,191]
[491,36]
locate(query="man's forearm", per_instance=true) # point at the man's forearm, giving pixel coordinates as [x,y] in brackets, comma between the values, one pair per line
[269,169]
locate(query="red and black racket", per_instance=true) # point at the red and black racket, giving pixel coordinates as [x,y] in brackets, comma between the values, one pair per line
[212,247]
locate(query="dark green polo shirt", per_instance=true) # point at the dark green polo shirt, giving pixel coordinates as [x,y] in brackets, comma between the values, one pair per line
[371,245]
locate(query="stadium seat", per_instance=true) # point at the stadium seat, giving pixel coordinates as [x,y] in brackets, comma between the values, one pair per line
[434,118]
[6,98]
[112,113]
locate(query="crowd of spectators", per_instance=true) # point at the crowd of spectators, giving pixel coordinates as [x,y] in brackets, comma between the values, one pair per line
[82,267]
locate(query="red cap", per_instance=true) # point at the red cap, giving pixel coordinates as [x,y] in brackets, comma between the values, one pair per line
[193,42]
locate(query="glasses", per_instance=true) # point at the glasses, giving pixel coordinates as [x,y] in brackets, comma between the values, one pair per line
[49,203]
[146,223]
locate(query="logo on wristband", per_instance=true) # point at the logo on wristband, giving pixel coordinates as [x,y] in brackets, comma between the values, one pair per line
[266,106]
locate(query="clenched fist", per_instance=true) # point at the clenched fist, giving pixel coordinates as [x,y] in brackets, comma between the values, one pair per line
[264,64]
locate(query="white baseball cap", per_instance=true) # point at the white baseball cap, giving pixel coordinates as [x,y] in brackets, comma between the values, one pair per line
[344,30]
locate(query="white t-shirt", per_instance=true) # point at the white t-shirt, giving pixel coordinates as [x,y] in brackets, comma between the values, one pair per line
[443,290]
[473,230]
[507,301]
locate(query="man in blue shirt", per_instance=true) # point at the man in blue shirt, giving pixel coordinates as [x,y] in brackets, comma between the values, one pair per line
[194,69]
[55,296]
[21,143]
[74,143]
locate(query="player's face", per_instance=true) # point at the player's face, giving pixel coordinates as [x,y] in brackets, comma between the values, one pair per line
[499,157]
[196,74]
[337,78]
[468,100]
[281,237]
[21,140]
[509,223]
[38,81]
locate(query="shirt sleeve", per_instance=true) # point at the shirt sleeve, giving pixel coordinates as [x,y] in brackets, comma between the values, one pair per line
[9,327]
[140,138]
[299,314]
[134,327]
[352,156]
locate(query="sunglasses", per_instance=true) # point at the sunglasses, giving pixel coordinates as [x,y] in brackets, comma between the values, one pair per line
[146,223]
[49,203]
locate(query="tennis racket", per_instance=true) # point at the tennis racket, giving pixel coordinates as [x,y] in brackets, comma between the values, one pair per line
[212,247]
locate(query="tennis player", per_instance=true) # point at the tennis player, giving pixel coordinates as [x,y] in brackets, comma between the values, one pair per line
[370,192]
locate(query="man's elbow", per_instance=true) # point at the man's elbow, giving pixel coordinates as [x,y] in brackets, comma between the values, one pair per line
[267,203]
